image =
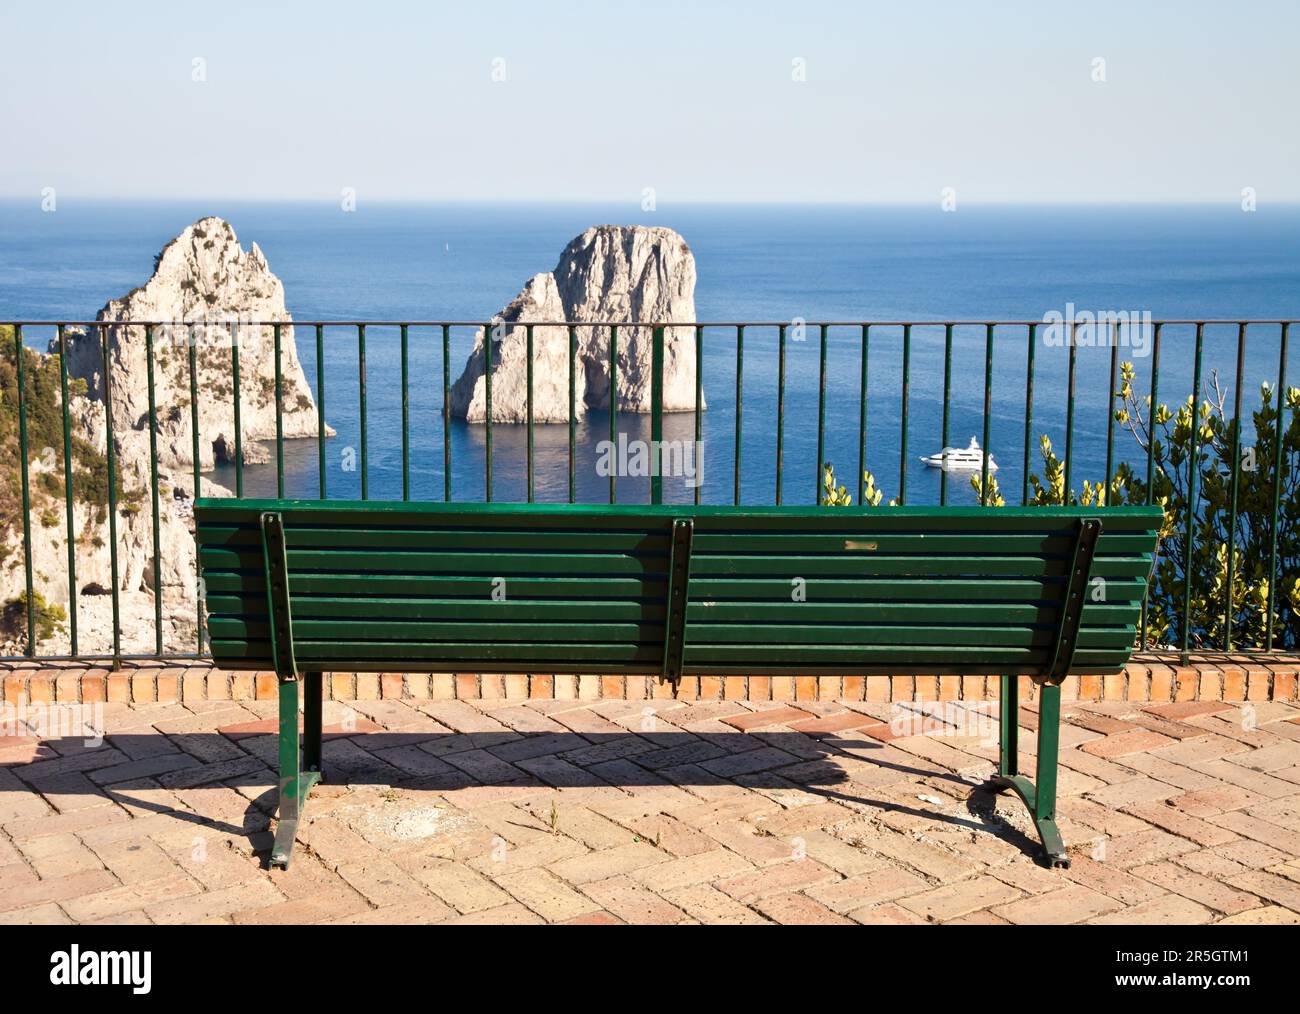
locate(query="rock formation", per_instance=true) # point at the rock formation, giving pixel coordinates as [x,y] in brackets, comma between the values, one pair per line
[206,288]
[202,277]
[94,576]
[614,273]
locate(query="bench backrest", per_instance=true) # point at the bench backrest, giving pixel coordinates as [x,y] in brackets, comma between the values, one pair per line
[368,586]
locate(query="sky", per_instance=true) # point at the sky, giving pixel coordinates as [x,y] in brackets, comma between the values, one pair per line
[680,101]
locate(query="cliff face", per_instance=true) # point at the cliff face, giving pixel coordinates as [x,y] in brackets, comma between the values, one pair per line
[609,273]
[205,279]
[202,277]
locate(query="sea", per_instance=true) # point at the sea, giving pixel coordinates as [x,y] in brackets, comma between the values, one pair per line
[800,264]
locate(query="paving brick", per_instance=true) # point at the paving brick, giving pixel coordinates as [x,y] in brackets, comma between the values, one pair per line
[608,863]
[1269,758]
[1125,743]
[227,901]
[36,915]
[462,888]
[1203,890]
[794,909]
[1173,820]
[1110,880]
[766,718]
[632,902]
[793,875]
[928,859]
[1168,909]
[1258,830]
[1072,904]
[1187,709]
[1145,847]
[888,914]
[380,881]
[733,765]
[547,895]
[1254,855]
[702,867]
[1279,890]
[709,905]
[953,900]
[1269,915]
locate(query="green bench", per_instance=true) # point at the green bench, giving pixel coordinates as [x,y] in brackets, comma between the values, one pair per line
[302,587]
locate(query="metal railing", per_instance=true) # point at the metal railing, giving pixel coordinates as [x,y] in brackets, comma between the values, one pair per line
[870,347]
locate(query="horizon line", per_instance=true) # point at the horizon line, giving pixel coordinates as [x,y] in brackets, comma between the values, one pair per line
[692,202]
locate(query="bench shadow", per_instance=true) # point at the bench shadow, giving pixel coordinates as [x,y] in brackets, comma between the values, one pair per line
[129,768]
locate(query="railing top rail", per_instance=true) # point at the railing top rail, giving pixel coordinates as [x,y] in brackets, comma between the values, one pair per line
[623,323]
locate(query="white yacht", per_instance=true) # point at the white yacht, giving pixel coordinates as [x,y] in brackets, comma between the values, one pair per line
[955,459]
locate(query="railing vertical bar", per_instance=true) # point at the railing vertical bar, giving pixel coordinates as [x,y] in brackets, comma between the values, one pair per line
[573,407]
[656,416]
[109,442]
[780,410]
[69,503]
[239,428]
[1151,456]
[740,377]
[699,410]
[862,415]
[1279,433]
[1193,466]
[30,605]
[1236,486]
[194,413]
[320,408]
[528,351]
[947,397]
[988,415]
[902,457]
[446,411]
[154,498]
[1069,416]
[361,409]
[1110,413]
[279,416]
[613,409]
[406,419]
[821,414]
[190,342]
[487,407]
[1029,410]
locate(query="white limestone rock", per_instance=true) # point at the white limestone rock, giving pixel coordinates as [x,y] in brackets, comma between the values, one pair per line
[206,281]
[615,273]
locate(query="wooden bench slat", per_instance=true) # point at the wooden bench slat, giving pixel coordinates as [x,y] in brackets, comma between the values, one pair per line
[957,568]
[708,518]
[320,607]
[937,544]
[476,587]
[250,538]
[380,631]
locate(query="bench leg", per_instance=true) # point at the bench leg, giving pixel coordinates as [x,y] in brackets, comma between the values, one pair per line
[311,723]
[294,782]
[1039,795]
[1009,727]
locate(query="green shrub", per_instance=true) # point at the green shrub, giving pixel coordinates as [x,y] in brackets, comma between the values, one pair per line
[1168,435]
[47,617]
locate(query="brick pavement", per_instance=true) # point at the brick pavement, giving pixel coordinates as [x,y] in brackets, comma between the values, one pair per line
[609,811]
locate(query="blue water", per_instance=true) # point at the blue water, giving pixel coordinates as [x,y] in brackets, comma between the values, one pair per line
[768,262]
